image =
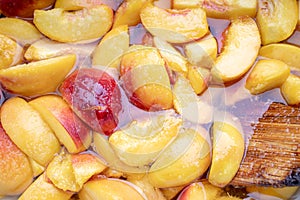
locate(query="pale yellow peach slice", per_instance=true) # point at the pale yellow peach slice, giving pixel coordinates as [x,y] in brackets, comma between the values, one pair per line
[110,189]
[172,57]
[202,52]
[37,78]
[200,190]
[68,128]
[141,142]
[186,159]
[282,193]
[290,90]
[42,188]
[46,48]
[28,131]
[267,75]
[10,52]
[199,78]
[15,170]
[287,53]
[37,169]
[20,30]
[227,153]
[86,24]
[240,49]
[80,4]
[112,46]
[276,20]
[224,9]
[172,192]
[187,104]
[128,12]
[175,26]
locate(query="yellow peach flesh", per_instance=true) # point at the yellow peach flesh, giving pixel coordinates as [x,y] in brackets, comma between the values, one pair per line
[10,52]
[290,90]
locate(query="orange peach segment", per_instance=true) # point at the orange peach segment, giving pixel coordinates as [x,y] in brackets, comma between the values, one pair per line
[110,189]
[37,78]
[276,19]
[224,9]
[173,58]
[112,47]
[282,193]
[37,169]
[68,128]
[28,131]
[10,52]
[86,24]
[128,12]
[199,78]
[184,160]
[202,52]
[141,142]
[15,170]
[267,75]
[290,89]
[228,151]
[20,30]
[42,188]
[241,46]
[287,53]
[45,48]
[175,26]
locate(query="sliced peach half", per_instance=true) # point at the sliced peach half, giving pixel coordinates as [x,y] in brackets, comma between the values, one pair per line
[10,52]
[224,9]
[184,160]
[199,78]
[22,31]
[112,46]
[68,128]
[290,90]
[137,145]
[63,26]
[287,53]
[276,20]
[175,26]
[15,169]
[37,78]
[28,131]
[240,49]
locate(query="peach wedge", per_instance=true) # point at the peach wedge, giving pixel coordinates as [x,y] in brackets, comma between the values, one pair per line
[175,26]
[37,78]
[276,20]
[28,131]
[63,26]
[68,128]
[290,90]
[240,49]
[10,52]
[15,169]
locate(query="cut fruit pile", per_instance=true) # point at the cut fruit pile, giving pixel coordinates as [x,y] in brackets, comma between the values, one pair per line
[149,100]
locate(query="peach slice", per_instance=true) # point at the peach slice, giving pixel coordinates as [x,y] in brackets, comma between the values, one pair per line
[68,128]
[282,193]
[20,30]
[15,170]
[202,52]
[172,57]
[112,46]
[241,46]
[86,24]
[224,9]
[80,4]
[128,12]
[42,188]
[175,26]
[37,78]
[110,189]
[228,151]
[37,169]
[199,78]
[137,144]
[276,20]
[171,192]
[10,52]
[188,105]
[290,90]
[187,158]
[28,131]
[147,92]
[267,75]
[45,48]
[287,53]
